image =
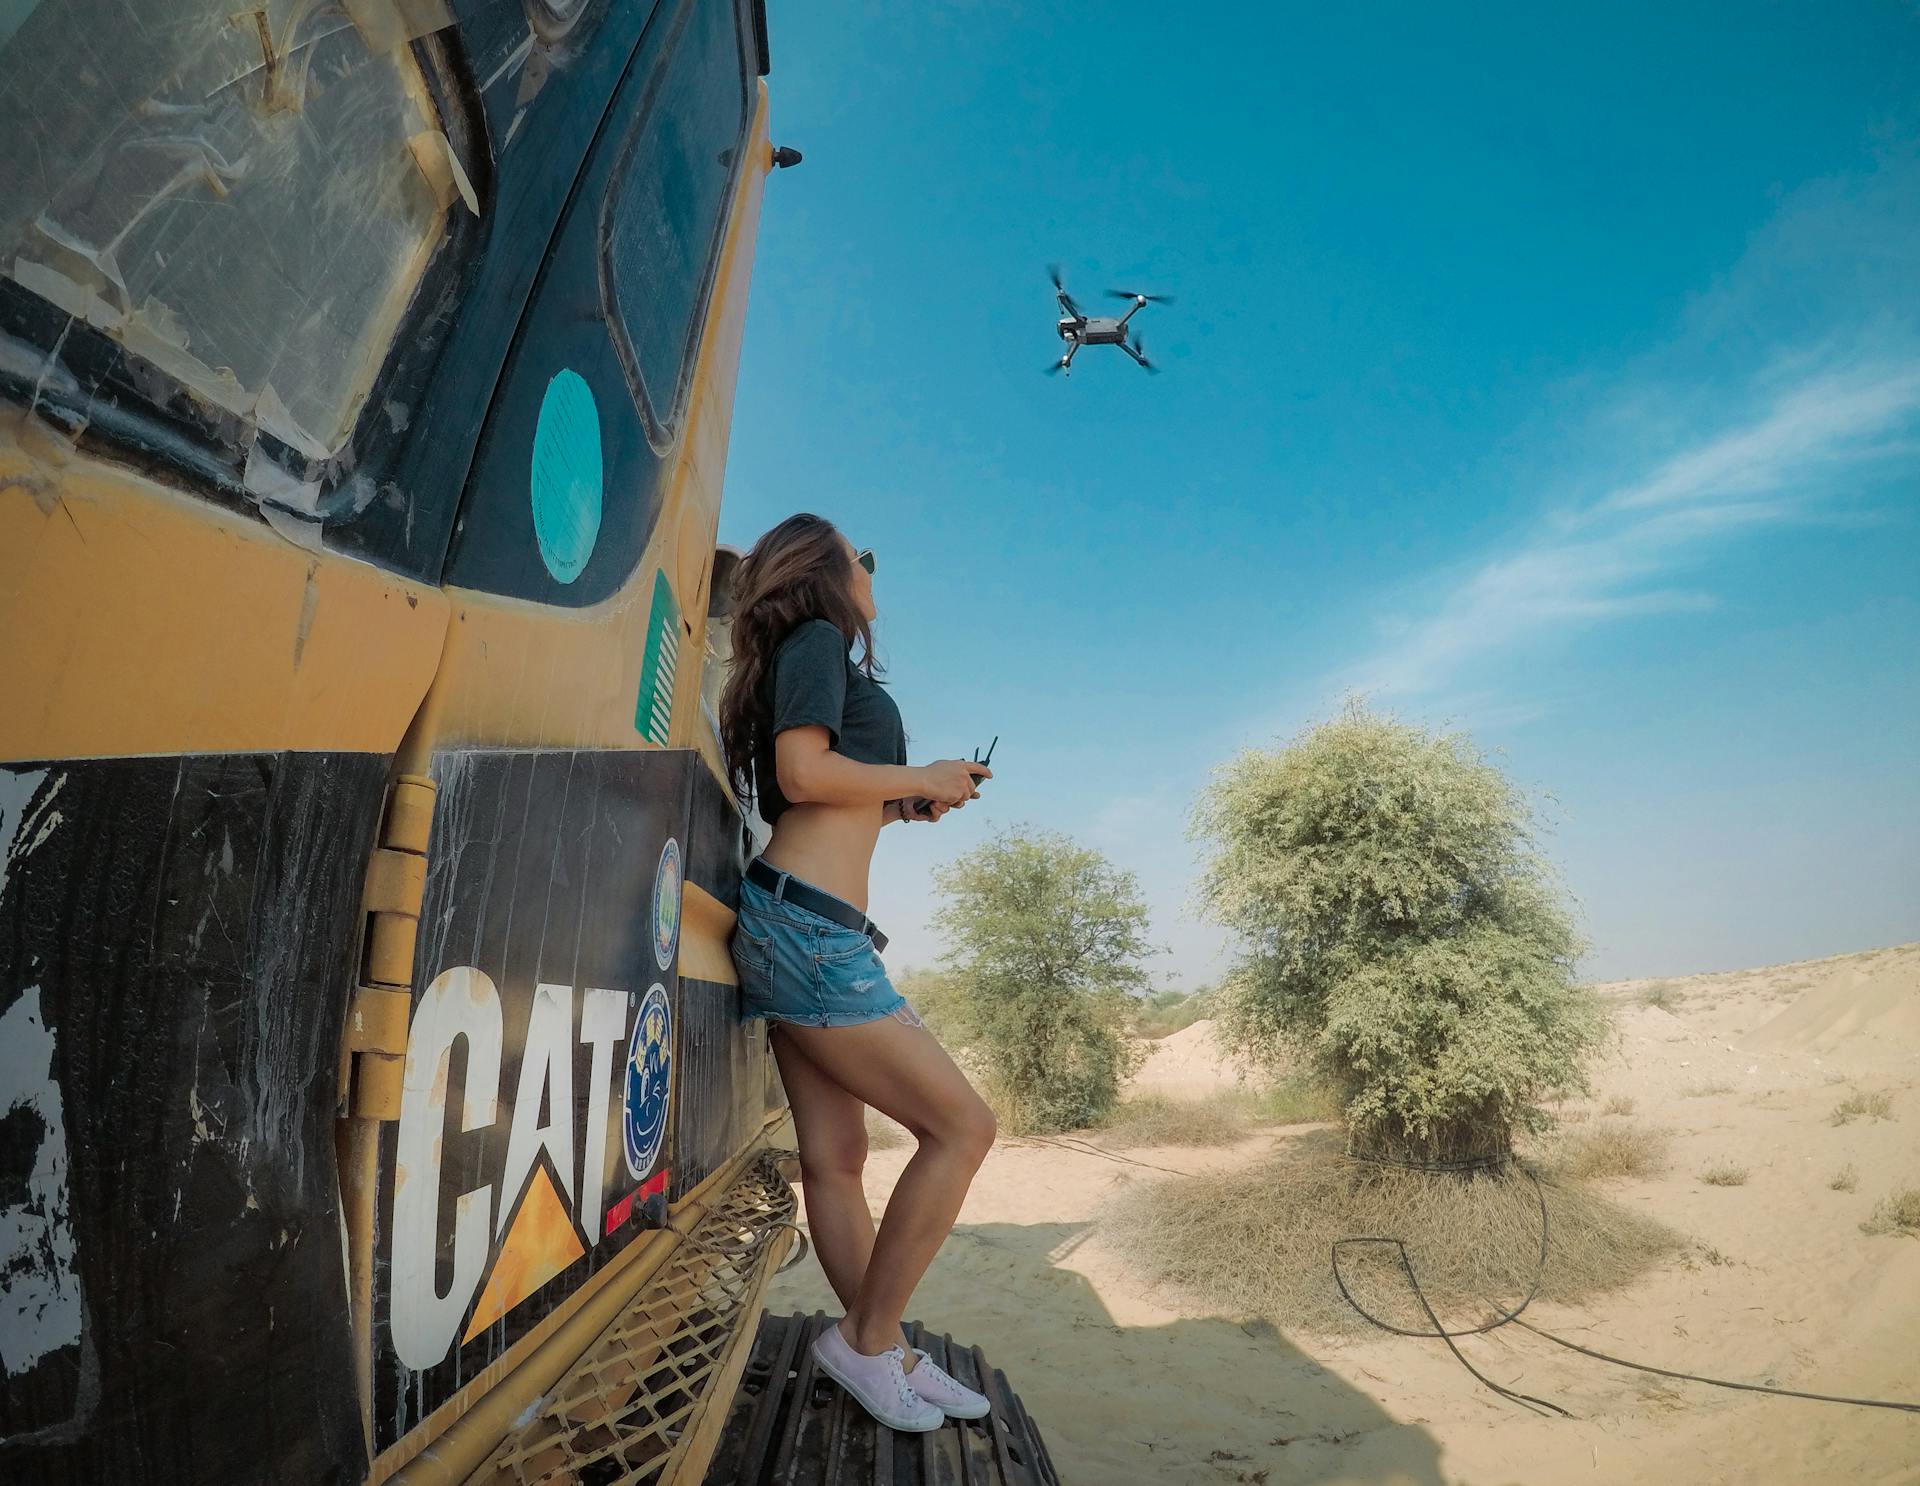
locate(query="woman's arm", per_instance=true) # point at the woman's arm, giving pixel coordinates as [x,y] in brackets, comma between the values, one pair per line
[915,807]
[810,772]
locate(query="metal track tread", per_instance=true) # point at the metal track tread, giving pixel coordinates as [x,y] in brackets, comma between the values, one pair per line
[621,1416]
[792,1425]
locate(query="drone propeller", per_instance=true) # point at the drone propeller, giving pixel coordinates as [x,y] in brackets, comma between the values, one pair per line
[1053,272]
[1135,294]
[1140,355]
[1055,366]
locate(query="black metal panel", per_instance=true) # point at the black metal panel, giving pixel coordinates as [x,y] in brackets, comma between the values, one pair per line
[716,854]
[176,953]
[717,1096]
[793,1425]
[570,326]
[730,1084]
[543,103]
[538,946]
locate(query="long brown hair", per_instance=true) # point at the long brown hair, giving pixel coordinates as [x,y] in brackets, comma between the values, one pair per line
[795,572]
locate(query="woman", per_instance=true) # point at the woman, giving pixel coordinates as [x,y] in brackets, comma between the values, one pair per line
[812,735]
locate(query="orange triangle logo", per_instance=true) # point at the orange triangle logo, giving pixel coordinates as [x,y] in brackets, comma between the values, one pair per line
[540,1244]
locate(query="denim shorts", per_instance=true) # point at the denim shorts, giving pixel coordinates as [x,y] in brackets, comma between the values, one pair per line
[796,965]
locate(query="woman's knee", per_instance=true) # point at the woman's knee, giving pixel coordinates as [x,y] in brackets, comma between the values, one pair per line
[968,1128]
[842,1157]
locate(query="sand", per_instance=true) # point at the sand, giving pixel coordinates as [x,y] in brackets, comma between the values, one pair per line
[1188,1064]
[1133,1387]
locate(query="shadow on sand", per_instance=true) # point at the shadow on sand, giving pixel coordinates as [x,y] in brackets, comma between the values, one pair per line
[1193,1400]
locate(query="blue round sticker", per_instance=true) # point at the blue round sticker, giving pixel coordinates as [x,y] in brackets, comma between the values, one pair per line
[649,1066]
[566,480]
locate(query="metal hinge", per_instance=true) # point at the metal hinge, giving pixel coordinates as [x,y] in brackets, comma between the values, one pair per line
[376,1040]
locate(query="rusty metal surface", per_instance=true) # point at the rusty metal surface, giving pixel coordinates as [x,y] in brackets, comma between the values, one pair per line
[791,1425]
[622,1417]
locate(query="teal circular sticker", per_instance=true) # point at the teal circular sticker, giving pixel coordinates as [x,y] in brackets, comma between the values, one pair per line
[566,476]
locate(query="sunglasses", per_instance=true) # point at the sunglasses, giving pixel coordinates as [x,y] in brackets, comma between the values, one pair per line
[865,558]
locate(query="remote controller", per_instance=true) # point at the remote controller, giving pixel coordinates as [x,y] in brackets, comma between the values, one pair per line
[919,802]
[987,760]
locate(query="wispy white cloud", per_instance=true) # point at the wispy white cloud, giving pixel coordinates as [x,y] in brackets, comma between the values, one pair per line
[1790,380]
[1621,555]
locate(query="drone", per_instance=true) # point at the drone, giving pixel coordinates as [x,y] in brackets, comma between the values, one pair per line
[1078,329]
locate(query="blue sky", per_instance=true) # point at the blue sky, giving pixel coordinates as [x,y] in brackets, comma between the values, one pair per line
[1556,379]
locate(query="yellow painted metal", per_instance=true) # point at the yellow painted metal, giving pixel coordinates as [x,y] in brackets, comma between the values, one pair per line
[396,882]
[518,674]
[410,814]
[138,619]
[378,1085]
[705,926]
[377,1021]
[466,1429]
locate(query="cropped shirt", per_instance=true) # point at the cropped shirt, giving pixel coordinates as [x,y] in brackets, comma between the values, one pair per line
[813,681]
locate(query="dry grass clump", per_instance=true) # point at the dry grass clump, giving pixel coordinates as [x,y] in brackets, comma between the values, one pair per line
[1258,1241]
[1661,994]
[1155,1119]
[1619,1104]
[884,1134]
[1724,1174]
[1846,1179]
[1608,1148]
[1219,1118]
[1898,1213]
[1295,1100]
[1701,1091]
[1878,1106]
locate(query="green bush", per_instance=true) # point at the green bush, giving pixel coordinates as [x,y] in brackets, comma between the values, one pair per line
[1400,932]
[1045,941]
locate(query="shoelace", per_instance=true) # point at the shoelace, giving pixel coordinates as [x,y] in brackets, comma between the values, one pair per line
[894,1358]
[943,1375]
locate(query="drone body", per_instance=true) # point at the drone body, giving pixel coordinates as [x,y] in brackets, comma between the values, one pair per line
[1078,329]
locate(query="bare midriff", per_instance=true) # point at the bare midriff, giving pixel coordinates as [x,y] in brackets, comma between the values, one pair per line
[830,846]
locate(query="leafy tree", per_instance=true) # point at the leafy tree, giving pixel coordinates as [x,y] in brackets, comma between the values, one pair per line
[1400,930]
[1045,943]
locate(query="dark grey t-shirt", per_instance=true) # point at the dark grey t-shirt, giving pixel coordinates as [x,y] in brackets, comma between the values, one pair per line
[814,681]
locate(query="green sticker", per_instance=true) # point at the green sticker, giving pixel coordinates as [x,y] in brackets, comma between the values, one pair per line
[653,713]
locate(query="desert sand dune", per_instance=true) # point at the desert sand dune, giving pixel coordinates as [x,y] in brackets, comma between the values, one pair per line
[1782,1286]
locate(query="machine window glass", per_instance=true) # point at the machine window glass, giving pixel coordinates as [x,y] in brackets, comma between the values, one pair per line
[668,202]
[244,198]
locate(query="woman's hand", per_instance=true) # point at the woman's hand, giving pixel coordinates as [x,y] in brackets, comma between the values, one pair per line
[950,781]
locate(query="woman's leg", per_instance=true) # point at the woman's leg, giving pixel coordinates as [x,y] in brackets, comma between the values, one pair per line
[831,1127]
[903,1072]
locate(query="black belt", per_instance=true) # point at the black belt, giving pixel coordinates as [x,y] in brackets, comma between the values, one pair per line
[784,885]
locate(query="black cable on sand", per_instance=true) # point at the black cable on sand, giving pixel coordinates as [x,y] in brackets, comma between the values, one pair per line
[1239,1241]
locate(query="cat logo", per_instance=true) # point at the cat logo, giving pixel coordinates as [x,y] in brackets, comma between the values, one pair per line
[551,1178]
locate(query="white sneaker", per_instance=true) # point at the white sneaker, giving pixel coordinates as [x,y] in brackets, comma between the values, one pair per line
[879,1383]
[938,1386]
